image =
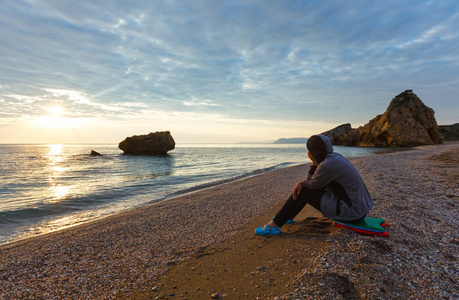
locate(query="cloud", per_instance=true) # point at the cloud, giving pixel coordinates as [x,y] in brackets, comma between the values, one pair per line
[271,61]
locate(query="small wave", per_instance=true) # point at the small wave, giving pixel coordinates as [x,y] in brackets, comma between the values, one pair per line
[285,164]
[64,206]
[225,180]
[16,216]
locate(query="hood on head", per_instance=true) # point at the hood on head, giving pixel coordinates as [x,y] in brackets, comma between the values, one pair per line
[319,146]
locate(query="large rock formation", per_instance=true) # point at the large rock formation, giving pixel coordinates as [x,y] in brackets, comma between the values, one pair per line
[406,122]
[157,143]
[338,134]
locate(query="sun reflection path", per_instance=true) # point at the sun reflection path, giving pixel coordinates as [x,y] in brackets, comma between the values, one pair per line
[56,171]
[54,149]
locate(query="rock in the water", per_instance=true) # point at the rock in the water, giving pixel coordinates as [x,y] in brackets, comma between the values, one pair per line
[95,153]
[406,122]
[155,143]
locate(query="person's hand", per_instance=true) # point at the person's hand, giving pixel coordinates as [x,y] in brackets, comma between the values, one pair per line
[297,190]
[314,163]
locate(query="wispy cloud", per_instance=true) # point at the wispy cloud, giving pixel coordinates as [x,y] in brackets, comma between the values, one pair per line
[274,61]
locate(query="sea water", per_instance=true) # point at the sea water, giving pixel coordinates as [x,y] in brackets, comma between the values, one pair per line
[44,188]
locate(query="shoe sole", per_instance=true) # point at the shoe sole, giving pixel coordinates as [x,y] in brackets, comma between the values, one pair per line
[267,232]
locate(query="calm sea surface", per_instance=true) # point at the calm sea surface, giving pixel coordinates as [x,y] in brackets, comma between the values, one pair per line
[44,188]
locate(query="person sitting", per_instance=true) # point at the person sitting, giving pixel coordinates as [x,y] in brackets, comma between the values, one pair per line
[333,186]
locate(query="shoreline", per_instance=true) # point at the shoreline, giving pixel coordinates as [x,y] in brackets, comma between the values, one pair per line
[202,187]
[109,256]
[24,229]
[127,254]
[30,229]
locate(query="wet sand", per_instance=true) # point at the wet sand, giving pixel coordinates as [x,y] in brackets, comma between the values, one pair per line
[202,243]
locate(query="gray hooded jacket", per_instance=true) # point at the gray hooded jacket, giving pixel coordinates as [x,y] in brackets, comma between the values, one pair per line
[346,197]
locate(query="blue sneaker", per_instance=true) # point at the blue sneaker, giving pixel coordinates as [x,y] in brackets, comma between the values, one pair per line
[265,230]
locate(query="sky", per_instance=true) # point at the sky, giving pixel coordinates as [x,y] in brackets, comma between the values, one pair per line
[214,71]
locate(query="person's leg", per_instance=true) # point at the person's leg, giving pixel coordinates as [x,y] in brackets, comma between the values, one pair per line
[293,207]
[289,210]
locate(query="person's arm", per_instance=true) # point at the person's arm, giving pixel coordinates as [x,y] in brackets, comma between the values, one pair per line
[300,185]
[297,189]
[319,177]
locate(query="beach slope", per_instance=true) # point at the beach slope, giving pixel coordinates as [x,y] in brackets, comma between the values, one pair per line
[202,243]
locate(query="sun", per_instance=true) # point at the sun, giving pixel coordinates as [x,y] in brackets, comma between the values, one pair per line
[57,117]
[56,110]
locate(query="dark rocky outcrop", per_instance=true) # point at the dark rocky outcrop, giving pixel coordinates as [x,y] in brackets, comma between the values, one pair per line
[406,122]
[155,143]
[450,132]
[95,153]
[338,134]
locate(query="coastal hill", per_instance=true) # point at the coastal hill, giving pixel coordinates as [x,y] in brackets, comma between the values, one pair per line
[450,132]
[291,141]
[407,122]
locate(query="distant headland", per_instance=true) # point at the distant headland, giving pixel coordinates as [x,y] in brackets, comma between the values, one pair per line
[291,141]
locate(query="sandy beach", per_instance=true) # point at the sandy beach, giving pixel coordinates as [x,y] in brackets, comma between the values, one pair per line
[203,244]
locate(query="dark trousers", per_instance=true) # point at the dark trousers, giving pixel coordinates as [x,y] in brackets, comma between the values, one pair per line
[293,207]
